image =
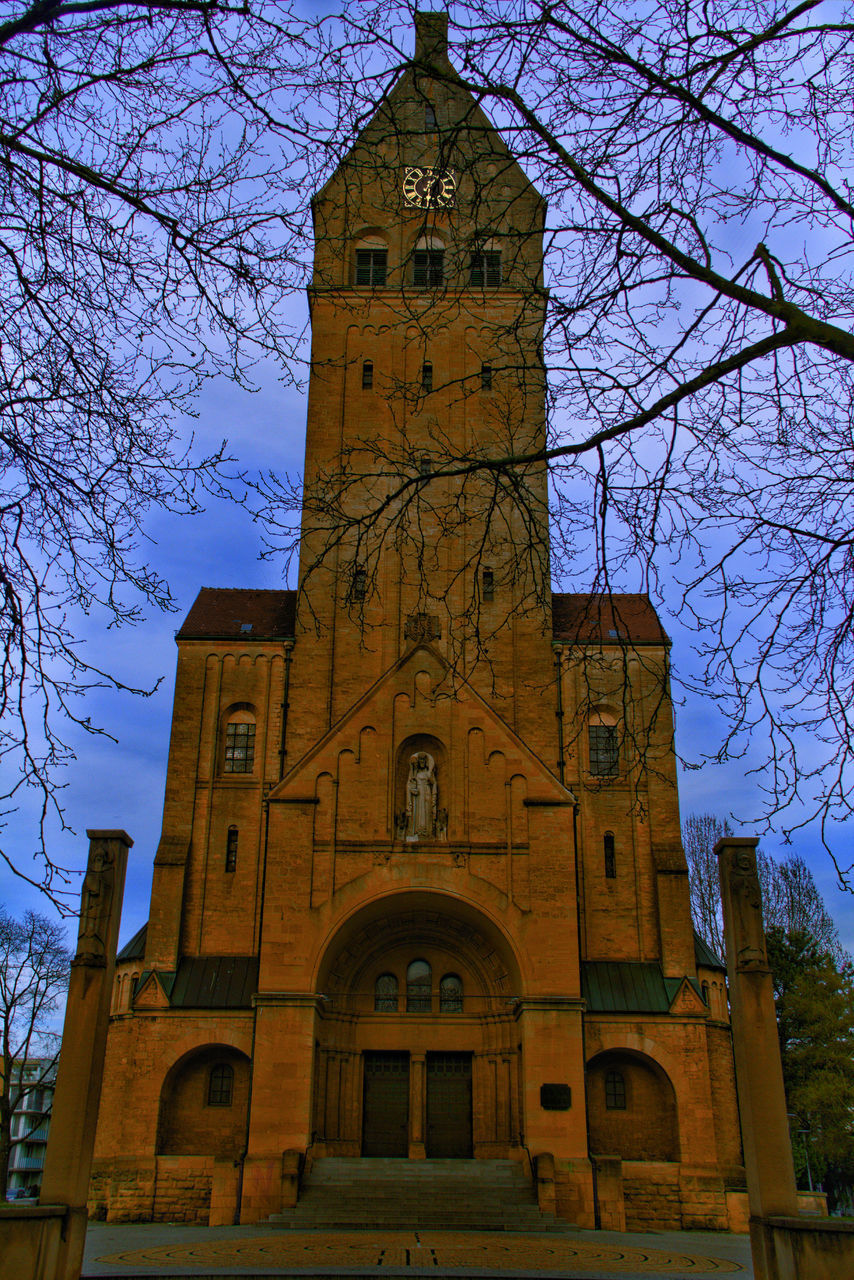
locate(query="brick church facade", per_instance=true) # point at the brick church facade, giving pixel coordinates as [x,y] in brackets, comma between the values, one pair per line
[420,891]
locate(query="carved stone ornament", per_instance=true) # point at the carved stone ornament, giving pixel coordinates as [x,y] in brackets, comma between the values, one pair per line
[422,797]
[96,906]
[422,627]
[748,934]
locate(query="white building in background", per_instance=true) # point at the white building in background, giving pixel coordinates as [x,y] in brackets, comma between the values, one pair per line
[31,1122]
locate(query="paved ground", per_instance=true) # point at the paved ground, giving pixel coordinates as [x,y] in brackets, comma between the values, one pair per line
[261,1251]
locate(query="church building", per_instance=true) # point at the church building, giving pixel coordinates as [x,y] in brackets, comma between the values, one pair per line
[420,893]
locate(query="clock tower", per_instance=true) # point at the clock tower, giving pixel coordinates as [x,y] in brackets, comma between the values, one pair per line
[420,894]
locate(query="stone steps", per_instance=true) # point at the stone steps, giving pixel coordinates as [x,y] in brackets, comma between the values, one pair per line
[486,1195]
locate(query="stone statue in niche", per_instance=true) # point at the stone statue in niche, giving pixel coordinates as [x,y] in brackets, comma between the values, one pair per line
[422,797]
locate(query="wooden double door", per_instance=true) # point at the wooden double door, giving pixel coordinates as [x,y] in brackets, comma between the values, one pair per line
[447,1104]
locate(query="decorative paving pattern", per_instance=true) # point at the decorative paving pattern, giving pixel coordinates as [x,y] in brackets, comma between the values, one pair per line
[423,1249]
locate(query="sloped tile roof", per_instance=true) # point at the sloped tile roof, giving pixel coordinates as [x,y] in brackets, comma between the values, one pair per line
[223,612]
[605,619]
[135,949]
[226,612]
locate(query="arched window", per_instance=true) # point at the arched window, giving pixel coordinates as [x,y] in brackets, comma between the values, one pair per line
[451,994]
[426,376]
[221,1085]
[615,1091]
[385,993]
[486,377]
[240,743]
[428,263]
[610,856]
[430,122]
[367,375]
[488,584]
[231,849]
[704,987]
[418,977]
[371,262]
[604,748]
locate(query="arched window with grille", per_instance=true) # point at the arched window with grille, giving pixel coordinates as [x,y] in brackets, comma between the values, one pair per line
[239,741]
[451,994]
[615,1091]
[385,993]
[418,980]
[221,1085]
[604,744]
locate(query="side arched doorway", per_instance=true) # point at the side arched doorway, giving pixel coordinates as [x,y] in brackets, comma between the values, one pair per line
[417,1053]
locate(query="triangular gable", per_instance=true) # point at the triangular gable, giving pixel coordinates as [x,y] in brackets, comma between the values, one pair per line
[152,993]
[687,1001]
[474,122]
[299,780]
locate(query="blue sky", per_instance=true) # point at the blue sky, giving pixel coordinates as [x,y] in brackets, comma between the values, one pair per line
[121,785]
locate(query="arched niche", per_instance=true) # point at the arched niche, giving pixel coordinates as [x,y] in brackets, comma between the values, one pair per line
[194,1119]
[632,1107]
[415,745]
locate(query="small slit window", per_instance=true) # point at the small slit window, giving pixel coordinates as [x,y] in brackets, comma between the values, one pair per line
[371,267]
[451,994]
[604,750]
[428,268]
[367,375]
[239,747]
[231,849]
[427,376]
[418,978]
[615,1091]
[610,856]
[221,1085]
[486,377]
[488,584]
[485,270]
[385,993]
[430,122]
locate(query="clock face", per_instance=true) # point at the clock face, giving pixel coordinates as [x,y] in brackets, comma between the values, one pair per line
[430,188]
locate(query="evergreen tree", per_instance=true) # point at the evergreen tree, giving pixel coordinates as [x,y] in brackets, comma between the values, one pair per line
[814,997]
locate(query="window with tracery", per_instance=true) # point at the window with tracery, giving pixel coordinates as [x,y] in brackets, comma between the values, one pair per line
[451,994]
[418,980]
[385,993]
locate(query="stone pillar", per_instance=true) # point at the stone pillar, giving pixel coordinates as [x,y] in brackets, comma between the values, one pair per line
[759,1073]
[68,1162]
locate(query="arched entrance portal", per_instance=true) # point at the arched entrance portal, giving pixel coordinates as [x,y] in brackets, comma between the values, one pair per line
[417,1053]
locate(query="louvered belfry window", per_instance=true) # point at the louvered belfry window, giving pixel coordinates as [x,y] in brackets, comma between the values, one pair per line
[371,267]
